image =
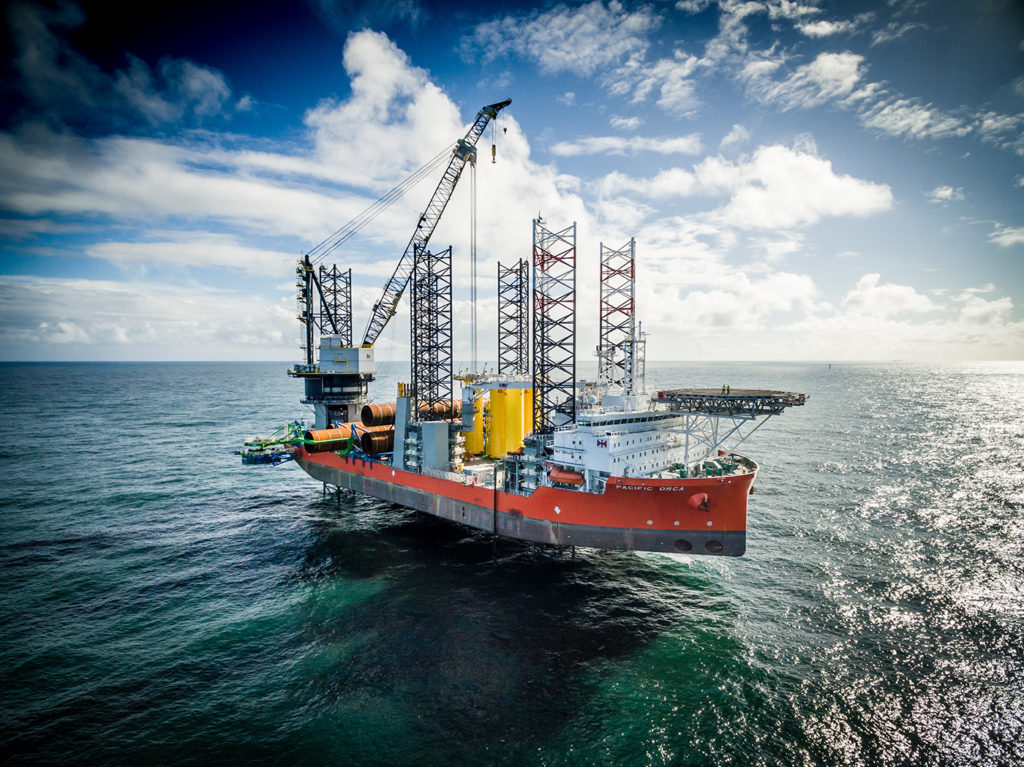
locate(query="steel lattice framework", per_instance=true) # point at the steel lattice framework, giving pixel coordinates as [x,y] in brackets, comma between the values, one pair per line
[431,334]
[617,315]
[513,321]
[324,304]
[336,306]
[554,327]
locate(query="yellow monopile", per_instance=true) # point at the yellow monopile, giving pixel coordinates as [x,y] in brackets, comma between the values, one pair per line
[528,411]
[475,438]
[496,425]
[513,419]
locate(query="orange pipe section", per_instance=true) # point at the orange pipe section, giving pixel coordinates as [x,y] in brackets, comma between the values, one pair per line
[383,413]
[378,414]
[443,410]
[342,431]
[328,439]
[373,442]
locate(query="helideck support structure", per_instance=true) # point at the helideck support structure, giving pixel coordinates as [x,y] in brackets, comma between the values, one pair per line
[431,334]
[513,324]
[617,320]
[554,327]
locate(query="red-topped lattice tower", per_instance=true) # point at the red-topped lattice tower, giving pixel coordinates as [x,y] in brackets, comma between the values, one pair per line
[554,327]
[617,321]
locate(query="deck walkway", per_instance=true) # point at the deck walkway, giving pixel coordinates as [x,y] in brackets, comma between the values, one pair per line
[738,402]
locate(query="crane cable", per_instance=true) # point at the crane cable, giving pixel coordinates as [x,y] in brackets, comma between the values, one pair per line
[350,229]
[494,143]
[472,268]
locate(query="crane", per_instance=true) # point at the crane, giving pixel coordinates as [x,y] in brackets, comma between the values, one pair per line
[465,151]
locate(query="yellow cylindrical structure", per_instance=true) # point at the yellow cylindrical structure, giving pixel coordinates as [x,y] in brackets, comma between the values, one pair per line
[475,438]
[513,419]
[527,411]
[496,425]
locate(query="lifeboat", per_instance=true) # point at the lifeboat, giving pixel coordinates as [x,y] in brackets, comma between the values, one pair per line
[566,477]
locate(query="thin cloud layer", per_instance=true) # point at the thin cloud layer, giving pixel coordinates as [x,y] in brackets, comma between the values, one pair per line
[121,317]
[608,42]
[830,77]
[579,40]
[617,145]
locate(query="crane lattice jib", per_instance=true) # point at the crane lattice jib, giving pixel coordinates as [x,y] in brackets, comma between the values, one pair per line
[385,309]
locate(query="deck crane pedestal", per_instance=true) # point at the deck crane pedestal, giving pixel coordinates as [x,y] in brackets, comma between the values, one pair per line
[337,386]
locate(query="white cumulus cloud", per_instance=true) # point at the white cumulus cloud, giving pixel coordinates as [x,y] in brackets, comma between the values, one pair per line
[736,135]
[884,300]
[823,28]
[775,188]
[779,188]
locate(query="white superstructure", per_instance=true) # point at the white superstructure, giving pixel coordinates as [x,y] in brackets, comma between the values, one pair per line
[604,443]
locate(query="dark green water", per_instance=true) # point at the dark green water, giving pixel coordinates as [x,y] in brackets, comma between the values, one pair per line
[162,604]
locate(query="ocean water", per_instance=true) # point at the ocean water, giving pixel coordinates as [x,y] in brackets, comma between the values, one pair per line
[163,604]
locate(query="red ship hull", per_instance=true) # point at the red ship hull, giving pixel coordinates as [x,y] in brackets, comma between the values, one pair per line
[704,515]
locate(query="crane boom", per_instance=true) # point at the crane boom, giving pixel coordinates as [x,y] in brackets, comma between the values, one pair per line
[465,149]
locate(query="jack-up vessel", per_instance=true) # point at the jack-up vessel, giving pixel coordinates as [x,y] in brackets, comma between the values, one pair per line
[527,452]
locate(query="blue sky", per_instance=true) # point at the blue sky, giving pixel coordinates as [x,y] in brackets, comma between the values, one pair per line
[805,180]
